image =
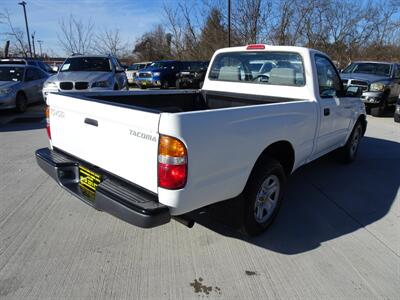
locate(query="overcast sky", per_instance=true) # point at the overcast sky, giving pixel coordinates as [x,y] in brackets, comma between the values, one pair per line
[131,17]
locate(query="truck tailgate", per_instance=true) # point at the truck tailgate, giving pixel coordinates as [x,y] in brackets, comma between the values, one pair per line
[116,138]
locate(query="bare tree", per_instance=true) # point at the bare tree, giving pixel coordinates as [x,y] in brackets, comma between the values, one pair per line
[15,34]
[153,45]
[110,42]
[75,35]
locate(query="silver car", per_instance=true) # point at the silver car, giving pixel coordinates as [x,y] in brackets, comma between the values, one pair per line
[81,73]
[20,85]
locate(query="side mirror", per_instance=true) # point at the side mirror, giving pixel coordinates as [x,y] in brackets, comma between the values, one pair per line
[353,91]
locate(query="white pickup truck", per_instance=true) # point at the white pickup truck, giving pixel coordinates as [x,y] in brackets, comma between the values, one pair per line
[147,156]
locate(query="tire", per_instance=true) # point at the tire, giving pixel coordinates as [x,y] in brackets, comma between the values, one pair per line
[178,84]
[21,103]
[164,85]
[349,151]
[396,118]
[368,110]
[262,197]
[380,110]
[201,84]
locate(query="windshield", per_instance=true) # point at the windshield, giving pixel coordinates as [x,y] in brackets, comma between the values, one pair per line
[161,65]
[87,64]
[369,68]
[275,68]
[11,73]
[136,67]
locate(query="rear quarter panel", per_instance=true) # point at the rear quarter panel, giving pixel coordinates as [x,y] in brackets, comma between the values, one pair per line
[224,144]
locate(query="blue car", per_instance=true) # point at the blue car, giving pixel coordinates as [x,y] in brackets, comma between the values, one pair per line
[160,74]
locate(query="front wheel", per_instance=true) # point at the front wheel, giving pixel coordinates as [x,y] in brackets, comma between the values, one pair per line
[21,103]
[380,110]
[349,151]
[263,197]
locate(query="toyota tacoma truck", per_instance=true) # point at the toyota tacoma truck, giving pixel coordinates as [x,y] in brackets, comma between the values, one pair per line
[149,156]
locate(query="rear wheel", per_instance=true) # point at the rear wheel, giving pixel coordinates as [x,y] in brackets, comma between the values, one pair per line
[21,103]
[263,197]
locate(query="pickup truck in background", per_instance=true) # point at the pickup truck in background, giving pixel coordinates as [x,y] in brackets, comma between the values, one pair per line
[147,156]
[380,82]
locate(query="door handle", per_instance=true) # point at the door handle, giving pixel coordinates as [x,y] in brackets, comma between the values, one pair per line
[327,111]
[91,122]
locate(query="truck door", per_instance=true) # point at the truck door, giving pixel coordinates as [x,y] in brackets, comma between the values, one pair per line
[335,112]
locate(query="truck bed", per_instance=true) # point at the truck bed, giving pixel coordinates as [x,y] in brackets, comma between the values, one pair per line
[179,101]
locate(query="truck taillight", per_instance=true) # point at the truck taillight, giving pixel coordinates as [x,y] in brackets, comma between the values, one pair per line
[47,113]
[172,163]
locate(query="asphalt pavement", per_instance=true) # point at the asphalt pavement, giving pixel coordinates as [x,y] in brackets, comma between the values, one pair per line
[337,235]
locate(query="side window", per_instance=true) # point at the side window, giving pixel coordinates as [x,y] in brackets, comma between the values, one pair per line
[32,74]
[328,81]
[397,74]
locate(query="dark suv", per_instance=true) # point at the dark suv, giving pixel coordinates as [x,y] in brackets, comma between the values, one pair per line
[380,82]
[192,74]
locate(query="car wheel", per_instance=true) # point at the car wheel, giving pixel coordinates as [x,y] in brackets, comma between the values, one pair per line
[164,85]
[397,118]
[349,151]
[262,197]
[21,103]
[368,110]
[201,84]
[178,84]
[380,110]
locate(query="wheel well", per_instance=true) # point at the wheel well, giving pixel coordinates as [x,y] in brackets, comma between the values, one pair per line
[282,151]
[362,119]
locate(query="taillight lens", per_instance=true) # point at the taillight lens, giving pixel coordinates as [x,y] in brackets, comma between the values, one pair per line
[172,163]
[47,113]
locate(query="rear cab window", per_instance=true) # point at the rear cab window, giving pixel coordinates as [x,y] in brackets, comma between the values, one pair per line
[266,67]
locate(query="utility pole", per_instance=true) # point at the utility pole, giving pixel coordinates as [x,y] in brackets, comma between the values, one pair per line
[229,23]
[33,44]
[40,46]
[23,3]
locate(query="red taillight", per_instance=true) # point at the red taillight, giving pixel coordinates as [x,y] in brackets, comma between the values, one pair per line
[47,113]
[255,47]
[172,163]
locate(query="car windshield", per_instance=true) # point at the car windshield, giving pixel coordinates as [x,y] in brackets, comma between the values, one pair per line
[11,73]
[266,67]
[87,64]
[369,68]
[161,65]
[136,67]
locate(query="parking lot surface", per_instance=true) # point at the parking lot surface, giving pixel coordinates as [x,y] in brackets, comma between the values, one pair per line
[337,235]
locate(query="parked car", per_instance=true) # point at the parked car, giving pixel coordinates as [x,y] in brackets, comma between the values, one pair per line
[87,73]
[132,71]
[159,74]
[192,74]
[147,157]
[397,111]
[20,85]
[29,61]
[380,82]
